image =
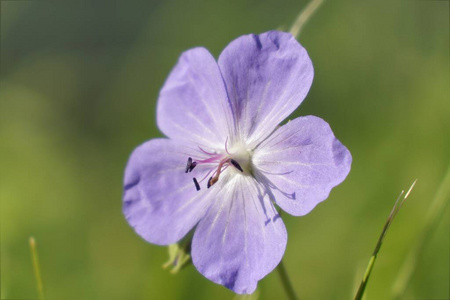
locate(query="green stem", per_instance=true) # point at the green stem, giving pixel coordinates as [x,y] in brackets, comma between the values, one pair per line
[287,285]
[36,268]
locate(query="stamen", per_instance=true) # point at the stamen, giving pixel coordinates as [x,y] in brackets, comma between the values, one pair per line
[212,180]
[236,165]
[190,165]
[197,186]
[209,183]
[206,152]
[216,175]
[223,160]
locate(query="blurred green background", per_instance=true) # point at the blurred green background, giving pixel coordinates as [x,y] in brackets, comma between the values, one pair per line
[79,84]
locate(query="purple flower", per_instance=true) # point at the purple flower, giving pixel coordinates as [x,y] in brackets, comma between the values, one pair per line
[227,161]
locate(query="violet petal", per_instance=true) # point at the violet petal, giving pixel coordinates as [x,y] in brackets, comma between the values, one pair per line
[267,77]
[300,163]
[193,105]
[160,200]
[242,238]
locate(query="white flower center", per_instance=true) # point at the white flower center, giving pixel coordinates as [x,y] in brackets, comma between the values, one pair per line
[237,159]
[243,156]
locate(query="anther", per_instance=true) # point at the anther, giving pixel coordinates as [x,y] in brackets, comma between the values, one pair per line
[209,183]
[197,186]
[212,181]
[236,165]
[190,165]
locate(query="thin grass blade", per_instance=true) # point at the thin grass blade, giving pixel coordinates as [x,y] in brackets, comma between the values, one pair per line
[304,16]
[36,268]
[434,215]
[398,204]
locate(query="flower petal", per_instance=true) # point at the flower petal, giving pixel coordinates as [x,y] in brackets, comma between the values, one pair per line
[300,163]
[193,104]
[267,77]
[160,199]
[242,238]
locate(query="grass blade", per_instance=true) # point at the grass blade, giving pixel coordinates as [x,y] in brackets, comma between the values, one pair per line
[433,217]
[398,204]
[304,16]
[36,268]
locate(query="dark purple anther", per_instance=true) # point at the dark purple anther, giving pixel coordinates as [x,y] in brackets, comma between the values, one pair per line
[197,186]
[190,165]
[236,165]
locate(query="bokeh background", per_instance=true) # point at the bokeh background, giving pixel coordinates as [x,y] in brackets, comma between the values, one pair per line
[79,84]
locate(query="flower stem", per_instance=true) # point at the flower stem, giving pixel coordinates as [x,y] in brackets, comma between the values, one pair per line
[37,270]
[287,285]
